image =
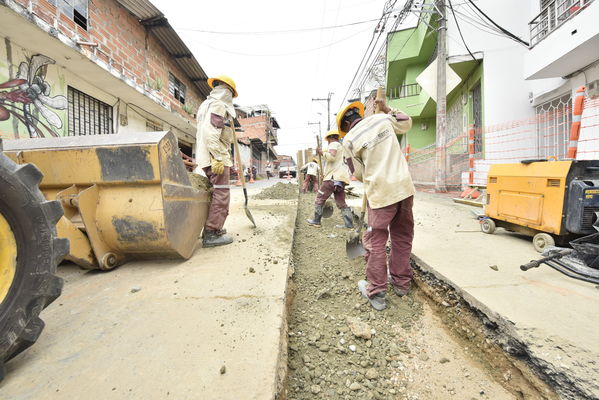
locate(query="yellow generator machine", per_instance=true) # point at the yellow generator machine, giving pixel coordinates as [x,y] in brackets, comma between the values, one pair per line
[553,201]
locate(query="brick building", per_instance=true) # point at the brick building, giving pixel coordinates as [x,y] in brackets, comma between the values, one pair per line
[260,128]
[101,67]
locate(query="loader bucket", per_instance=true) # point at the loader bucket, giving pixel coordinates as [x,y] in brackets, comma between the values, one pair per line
[125,196]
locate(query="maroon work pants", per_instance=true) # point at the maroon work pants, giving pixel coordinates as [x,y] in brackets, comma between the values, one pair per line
[395,221]
[325,191]
[221,195]
[310,183]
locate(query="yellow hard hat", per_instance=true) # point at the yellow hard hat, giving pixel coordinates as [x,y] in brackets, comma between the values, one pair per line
[341,114]
[331,133]
[225,79]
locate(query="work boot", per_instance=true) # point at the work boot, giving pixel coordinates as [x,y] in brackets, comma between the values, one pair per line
[348,219]
[377,301]
[398,291]
[317,216]
[213,239]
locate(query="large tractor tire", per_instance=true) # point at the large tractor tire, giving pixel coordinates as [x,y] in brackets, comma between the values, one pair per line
[29,254]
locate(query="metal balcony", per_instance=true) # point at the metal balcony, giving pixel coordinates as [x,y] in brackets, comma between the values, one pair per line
[553,16]
[412,89]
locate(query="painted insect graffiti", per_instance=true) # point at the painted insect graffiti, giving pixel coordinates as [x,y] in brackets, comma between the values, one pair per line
[29,97]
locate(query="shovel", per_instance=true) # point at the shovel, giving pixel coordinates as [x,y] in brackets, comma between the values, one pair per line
[353,245]
[242,179]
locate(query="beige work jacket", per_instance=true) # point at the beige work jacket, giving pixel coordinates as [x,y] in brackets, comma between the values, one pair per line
[216,130]
[378,160]
[335,169]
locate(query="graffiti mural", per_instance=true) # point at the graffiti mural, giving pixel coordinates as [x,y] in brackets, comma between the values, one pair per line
[27,98]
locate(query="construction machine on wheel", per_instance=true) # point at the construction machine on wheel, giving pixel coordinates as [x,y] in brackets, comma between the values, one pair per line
[97,201]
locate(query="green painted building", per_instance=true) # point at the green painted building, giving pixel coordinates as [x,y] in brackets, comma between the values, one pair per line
[409,52]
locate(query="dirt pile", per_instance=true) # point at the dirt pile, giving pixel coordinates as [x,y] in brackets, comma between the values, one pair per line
[340,348]
[199,181]
[280,191]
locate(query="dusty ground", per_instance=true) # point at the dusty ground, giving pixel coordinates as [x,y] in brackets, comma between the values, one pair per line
[281,191]
[409,354]
[211,327]
[540,316]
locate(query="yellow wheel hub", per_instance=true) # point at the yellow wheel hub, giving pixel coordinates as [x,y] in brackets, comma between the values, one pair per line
[8,258]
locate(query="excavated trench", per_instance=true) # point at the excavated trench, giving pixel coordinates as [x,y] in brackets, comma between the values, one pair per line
[431,344]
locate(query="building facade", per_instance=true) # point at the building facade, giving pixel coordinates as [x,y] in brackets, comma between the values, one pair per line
[513,96]
[101,67]
[260,129]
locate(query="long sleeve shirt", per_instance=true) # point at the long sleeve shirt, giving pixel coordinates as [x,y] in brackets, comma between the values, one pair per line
[378,160]
[215,129]
[335,169]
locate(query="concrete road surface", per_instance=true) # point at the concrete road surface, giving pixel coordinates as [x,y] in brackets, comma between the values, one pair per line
[205,328]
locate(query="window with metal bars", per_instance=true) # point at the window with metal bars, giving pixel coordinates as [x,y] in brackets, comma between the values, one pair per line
[88,115]
[176,88]
[77,10]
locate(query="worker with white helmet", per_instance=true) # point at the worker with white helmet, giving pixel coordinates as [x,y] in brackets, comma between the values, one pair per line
[216,133]
[311,169]
[336,177]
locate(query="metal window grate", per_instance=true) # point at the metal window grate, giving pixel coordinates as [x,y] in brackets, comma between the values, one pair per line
[554,119]
[176,88]
[87,115]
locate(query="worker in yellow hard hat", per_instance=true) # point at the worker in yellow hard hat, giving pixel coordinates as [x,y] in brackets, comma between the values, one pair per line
[375,158]
[216,133]
[355,108]
[336,177]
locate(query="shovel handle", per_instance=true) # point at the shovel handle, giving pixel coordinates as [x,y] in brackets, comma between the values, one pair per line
[362,214]
[239,171]
[380,95]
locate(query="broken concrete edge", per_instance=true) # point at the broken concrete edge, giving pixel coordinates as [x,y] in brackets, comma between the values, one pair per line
[544,376]
[281,367]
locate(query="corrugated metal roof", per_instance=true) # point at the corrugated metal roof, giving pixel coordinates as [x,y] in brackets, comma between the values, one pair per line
[157,23]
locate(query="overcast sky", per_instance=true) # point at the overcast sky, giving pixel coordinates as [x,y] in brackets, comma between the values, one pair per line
[283,71]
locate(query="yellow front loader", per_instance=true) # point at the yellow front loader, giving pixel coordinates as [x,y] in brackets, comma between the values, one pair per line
[114,198]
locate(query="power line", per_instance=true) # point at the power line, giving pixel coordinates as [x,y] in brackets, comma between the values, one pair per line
[460,31]
[361,62]
[279,31]
[282,54]
[508,33]
[397,22]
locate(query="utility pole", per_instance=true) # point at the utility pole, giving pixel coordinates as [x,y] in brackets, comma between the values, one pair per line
[319,129]
[441,142]
[328,100]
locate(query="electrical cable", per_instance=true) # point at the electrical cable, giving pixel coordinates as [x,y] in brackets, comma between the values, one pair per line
[281,54]
[508,33]
[279,31]
[460,31]
[360,65]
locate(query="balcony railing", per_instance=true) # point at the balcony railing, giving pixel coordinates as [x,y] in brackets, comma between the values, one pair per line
[553,16]
[412,89]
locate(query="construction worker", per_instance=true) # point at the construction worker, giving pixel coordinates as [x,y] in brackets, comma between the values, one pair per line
[311,180]
[336,177]
[376,159]
[213,143]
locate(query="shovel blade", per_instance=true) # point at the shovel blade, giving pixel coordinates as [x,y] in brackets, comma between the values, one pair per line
[327,211]
[245,207]
[354,247]
[250,217]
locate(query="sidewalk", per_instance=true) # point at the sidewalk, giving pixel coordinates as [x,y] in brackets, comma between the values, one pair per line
[165,329]
[555,317]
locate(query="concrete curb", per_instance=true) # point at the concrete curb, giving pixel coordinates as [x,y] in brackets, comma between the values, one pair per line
[501,332]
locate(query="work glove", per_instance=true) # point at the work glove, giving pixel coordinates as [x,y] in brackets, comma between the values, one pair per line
[217,166]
